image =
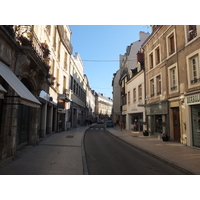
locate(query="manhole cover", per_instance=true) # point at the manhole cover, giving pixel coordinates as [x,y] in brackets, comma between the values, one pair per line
[70,136]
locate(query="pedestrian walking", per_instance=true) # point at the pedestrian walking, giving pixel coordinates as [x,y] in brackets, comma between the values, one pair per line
[121,124]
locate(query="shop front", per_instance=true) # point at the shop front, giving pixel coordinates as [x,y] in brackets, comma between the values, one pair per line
[157,118]
[193,124]
[136,122]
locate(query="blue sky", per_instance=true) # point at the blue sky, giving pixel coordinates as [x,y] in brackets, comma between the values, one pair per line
[99,47]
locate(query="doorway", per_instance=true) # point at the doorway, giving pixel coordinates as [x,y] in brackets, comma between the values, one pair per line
[176,124]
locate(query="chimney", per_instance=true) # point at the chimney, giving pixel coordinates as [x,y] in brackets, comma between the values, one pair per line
[140,57]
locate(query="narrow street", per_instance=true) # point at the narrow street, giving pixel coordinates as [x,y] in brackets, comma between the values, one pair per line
[108,155]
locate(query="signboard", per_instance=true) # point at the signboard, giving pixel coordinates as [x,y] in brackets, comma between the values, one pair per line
[194,99]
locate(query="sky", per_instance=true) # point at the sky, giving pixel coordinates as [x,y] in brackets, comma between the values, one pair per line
[99,47]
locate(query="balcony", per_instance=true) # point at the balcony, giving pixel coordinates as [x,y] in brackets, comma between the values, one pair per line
[39,52]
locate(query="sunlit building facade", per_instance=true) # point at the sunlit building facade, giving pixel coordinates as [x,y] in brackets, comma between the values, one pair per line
[172,82]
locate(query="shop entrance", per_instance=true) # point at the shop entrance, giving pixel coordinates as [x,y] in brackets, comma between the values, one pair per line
[176,124]
[158,123]
[23,126]
[196,125]
[137,122]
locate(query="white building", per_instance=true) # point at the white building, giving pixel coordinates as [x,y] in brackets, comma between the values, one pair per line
[128,69]
[135,114]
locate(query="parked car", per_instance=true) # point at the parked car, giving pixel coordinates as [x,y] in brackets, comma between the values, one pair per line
[101,122]
[109,124]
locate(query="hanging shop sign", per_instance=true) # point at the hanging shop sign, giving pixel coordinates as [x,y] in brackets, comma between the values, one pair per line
[194,99]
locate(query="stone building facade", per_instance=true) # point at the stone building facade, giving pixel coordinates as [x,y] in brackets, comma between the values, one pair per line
[103,107]
[23,74]
[172,82]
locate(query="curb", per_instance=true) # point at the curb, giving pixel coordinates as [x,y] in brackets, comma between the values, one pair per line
[187,172]
[84,161]
[85,168]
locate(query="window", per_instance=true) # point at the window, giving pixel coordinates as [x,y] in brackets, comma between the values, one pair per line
[57,76]
[151,60]
[77,88]
[194,69]
[152,87]
[134,95]
[158,84]
[54,39]
[64,84]
[171,44]
[65,62]
[140,92]
[59,46]
[74,88]
[173,79]
[48,28]
[157,53]
[53,67]
[71,83]
[128,97]
[191,32]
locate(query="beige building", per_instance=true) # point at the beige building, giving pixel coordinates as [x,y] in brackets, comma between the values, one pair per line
[103,107]
[55,102]
[172,82]
[90,101]
[78,86]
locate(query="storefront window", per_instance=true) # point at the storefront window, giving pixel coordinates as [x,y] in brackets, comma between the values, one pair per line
[137,122]
[158,123]
[196,125]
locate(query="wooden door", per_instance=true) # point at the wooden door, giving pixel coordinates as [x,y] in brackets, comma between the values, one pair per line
[176,124]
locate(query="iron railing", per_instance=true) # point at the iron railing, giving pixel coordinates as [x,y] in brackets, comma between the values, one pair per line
[27,37]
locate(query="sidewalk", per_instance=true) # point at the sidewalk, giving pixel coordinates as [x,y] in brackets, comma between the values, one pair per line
[63,154]
[176,154]
[58,154]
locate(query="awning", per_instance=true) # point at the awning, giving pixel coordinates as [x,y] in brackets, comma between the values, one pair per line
[2,91]
[25,96]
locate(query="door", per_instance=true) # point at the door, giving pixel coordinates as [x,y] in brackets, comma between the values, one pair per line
[23,125]
[176,124]
[196,125]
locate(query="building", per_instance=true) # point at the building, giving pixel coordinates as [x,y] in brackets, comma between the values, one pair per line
[103,107]
[55,102]
[135,117]
[172,82]
[23,75]
[90,102]
[128,64]
[117,97]
[78,86]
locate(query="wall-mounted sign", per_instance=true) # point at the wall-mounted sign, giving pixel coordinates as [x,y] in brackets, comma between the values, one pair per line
[194,99]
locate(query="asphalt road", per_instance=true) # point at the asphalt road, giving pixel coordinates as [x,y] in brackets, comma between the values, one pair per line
[108,155]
